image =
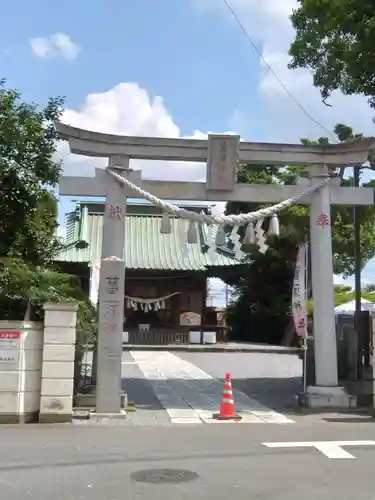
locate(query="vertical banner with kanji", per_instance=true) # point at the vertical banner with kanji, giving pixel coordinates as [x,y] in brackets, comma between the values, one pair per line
[299,295]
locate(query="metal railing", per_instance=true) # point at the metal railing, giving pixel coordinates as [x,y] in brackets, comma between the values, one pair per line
[165,336]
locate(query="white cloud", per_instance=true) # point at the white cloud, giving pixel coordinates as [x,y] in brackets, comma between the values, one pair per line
[267,22]
[57,45]
[241,123]
[127,109]
[285,121]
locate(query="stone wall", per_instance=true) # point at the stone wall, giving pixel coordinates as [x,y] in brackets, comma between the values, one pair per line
[21,345]
[37,367]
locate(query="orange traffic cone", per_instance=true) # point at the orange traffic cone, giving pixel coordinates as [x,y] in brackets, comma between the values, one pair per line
[227,408]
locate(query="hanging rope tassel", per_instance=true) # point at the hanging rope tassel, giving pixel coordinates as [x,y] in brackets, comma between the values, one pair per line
[165,225]
[250,237]
[192,233]
[274,227]
[221,238]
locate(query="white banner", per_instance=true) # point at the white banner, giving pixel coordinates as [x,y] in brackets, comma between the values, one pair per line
[299,295]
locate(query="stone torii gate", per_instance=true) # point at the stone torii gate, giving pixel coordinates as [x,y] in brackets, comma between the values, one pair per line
[221,153]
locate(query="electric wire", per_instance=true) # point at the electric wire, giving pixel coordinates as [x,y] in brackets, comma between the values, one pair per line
[270,68]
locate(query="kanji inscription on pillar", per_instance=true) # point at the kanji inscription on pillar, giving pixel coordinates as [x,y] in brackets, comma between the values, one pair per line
[322,220]
[111,318]
[302,324]
[112,284]
[114,212]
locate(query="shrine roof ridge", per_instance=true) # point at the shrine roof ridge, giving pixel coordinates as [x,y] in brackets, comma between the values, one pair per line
[97,144]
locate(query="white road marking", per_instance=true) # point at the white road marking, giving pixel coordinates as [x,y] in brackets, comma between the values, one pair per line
[271,417]
[331,449]
[190,395]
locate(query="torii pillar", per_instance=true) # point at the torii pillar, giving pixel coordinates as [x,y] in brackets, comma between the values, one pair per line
[112,289]
[111,295]
[326,391]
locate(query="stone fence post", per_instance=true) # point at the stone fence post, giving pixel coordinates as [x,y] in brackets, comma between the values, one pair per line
[56,399]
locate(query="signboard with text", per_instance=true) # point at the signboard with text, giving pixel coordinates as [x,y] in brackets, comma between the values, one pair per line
[9,346]
[190,319]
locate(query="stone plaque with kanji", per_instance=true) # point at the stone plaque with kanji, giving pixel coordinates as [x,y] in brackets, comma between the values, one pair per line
[221,162]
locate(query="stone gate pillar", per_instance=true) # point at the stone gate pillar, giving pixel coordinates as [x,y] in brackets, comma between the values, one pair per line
[56,397]
[111,294]
[326,392]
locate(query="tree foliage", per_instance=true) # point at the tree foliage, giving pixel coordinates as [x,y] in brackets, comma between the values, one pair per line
[336,40]
[263,299]
[28,209]
[28,174]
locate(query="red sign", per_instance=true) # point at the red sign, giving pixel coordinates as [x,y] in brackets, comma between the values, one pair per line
[10,335]
[114,212]
[322,220]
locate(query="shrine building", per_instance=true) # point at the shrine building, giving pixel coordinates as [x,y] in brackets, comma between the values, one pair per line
[165,277]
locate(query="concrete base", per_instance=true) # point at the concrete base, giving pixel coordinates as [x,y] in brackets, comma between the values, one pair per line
[363,390]
[17,418]
[103,417]
[55,418]
[89,400]
[319,397]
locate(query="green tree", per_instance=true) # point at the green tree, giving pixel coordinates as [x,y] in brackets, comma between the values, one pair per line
[264,291]
[28,175]
[28,207]
[335,39]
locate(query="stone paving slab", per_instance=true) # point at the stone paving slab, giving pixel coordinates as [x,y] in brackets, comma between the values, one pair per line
[149,409]
[270,379]
[190,395]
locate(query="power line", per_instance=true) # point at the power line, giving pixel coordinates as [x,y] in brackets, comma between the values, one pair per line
[259,52]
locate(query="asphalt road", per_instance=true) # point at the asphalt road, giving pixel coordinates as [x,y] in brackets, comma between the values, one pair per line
[219,462]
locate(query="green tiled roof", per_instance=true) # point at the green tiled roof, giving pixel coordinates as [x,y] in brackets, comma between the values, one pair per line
[146,247]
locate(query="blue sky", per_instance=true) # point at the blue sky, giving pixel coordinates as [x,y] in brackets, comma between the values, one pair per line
[168,68]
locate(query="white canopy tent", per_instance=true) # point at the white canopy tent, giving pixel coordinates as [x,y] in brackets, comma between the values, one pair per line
[349,307]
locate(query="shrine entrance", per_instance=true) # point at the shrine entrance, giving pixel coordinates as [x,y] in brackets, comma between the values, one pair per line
[221,154]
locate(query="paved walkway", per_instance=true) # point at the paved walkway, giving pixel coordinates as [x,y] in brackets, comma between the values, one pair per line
[189,395]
